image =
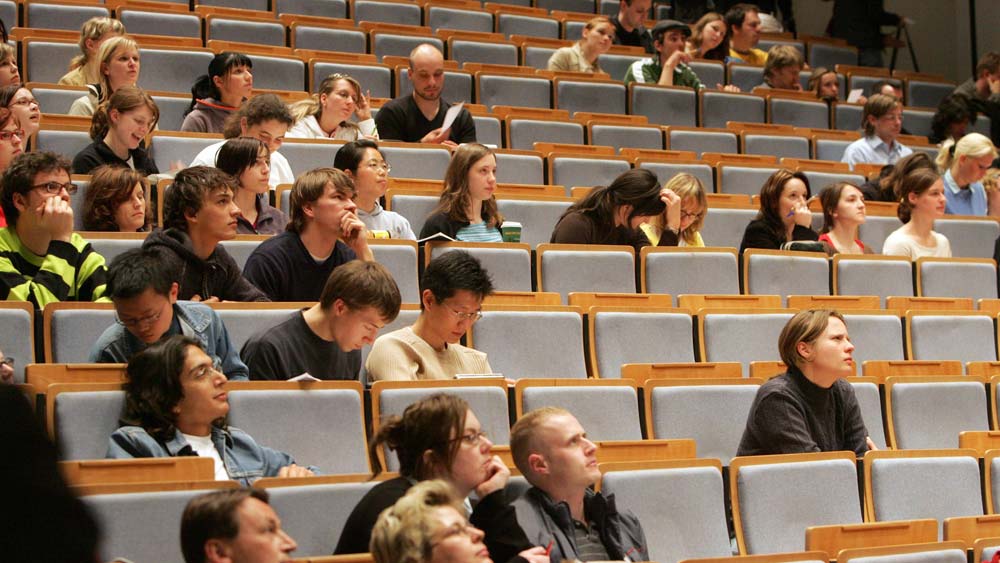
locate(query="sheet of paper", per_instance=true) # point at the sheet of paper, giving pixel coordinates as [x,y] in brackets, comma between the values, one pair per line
[854,95]
[451,115]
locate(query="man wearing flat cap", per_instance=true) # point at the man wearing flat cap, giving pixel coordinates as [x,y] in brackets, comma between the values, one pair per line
[668,65]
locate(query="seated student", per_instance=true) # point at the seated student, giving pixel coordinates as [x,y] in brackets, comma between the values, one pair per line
[953,117]
[883,188]
[809,408]
[233,526]
[613,214]
[118,128]
[12,139]
[22,102]
[119,66]
[452,290]
[41,259]
[115,200]
[325,114]
[583,55]
[882,121]
[921,201]
[429,524]
[781,71]
[694,206]
[85,68]
[669,67]
[9,73]
[784,214]
[743,30]
[825,84]
[325,340]
[962,165]
[216,95]
[709,40]
[147,309]
[323,232]
[365,164]
[887,88]
[198,214]
[551,450]
[264,117]
[176,405]
[247,159]
[6,368]
[439,437]
[843,212]
[467,210]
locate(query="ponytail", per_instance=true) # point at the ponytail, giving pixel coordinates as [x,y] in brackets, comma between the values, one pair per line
[203,88]
[946,155]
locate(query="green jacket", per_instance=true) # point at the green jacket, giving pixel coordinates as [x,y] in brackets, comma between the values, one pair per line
[70,271]
[647,71]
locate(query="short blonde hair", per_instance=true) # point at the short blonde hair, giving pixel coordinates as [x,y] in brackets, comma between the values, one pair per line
[523,441]
[403,532]
[805,326]
[975,145]
[107,52]
[93,29]
[781,56]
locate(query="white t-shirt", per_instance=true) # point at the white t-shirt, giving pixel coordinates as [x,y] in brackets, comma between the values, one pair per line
[899,244]
[281,171]
[203,446]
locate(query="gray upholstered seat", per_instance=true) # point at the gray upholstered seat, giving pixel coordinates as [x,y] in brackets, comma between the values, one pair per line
[875,337]
[614,64]
[739,179]
[470,51]
[167,149]
[37,65]
[537,218]
[401,260]
[629,337]
[583,6]
[84,421]
[446,17]
[683,271]
[741,337]
[867,83]
[161,23]
[240,250]
[952,278]
[600,97]
[930,414]
[172,110]
[377,78]
[57,100]
[666,170]
[606,412]
[523,133]
[713,415]
[523,24]
[304,155]
[800,113]
[781,146]
[786,274]
[876,229]
[61,16]
[73,332]
[417,162]
[509,268]
[536,344]
[259,5]
[391,44]
[278,73]
[969,238]
[725,227]
[176,69]
[244,31]
[62,142]
[702,141]
[664,105]
[968,338]
[609,269]
[870,403]
[709,73]
[829,55]
[926,94]
[831,149]
[321,8]
[387,12]
[537,56]
[315,514]
[885,278]
[819,180]
[110,248]
[621,136]
[719,107]
[415,208]
[17,337]
[571,171]
[329,38]
[524,91]
[847,117]
[918,121]
[746,77]
[489,130]
[242,323]
[520,168]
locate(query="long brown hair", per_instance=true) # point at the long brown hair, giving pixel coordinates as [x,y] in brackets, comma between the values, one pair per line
[916,182]
[111,186]
[829,199]
[430,424]
[126,99]
[455,199]
[770,196]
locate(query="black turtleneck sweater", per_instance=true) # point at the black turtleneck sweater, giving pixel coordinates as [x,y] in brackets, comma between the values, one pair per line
[792,415]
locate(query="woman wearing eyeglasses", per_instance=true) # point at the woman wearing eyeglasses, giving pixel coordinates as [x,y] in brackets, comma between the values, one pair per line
[176,405]
[22,102]
[694,206]
[12,137]
[365,164]
[249,161]
[118,129]
[438,437]
[325,114]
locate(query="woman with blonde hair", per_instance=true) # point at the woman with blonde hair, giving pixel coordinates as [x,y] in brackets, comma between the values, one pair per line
[118,66]
[467,210]
[9,73]
[963,165]
[921,201]
[325,114]
[843,212]
[694,206]
[595,40]
[85,68]
[118,129]
[710,38]
[115,200]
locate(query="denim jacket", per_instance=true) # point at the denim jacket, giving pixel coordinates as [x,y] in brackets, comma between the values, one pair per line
[245,460]
[118,345]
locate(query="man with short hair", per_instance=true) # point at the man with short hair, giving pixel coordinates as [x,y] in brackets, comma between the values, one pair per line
[887,88]
[234,526]
[263,117]
[781,71]
[983,91]
[147,309]
[419,117]
[743,21]
[882,121]
[552,451]
[323,232]
[325,340]
[452,290]
[629,29]
[41,259]
[198,214]
[670,67]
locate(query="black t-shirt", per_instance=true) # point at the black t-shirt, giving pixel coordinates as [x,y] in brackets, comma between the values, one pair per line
[401,120]
[292,348]
[638,37]
[283,269]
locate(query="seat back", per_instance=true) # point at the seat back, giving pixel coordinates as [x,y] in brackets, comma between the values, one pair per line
[386,12]
[415,208]
[377,78]
[969,238]
[469,51]
[509,264]
[593,96]
[781,146]
[445,17]
[62,142]
[110,248]
[926,94]
[83,420]
[240,250]
[417,162]
[663,105]
[870,402]
[636,337]
[537,217]
[243,321]
[719,107]
[279,73]
[607,410]
[599,268]
[831,149]
[875,336]
[160,23]
[516,168]
[176,70]
[619,136]
[321,8]
[847,117]
[304,155]
[17,330]
[770,272]
[391,44]
[743,179]
[967,337]
[941,277]
[167,148]
[60,16]
[331,39]
[532,26]
[38,57]
[740,335]
[521,341]
[400,257]
[523,133]
[884,276]
[172,109]
[927,412]
[587,171]
[725,227]
[665,170]
[746,77]
[506,90]
[800,113]
[70,329]
[702,141]
[315,514]
[685,270]
[243,31]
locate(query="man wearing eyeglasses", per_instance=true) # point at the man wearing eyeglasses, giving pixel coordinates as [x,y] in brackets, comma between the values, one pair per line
[452,290]
[147,309]
[41,259]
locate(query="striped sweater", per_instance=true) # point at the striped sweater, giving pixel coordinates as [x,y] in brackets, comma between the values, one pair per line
[70,271]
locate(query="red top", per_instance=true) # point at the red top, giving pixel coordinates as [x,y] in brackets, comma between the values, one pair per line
[825,237]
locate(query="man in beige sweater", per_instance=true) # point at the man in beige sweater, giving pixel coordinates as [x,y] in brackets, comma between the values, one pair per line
[452,290]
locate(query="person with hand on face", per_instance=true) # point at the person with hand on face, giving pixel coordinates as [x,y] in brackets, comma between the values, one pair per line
[583,55]
[709,39]
[119,127]
[419,117]
[439,437]
[551,450]
[694,206]
[781,71]
[811,407]
[452,290]
[784,214]
[843,212]
[670,67]
[217,95]
[963,165]
[743,23]
[115,200]
[147,309]
[85,68]
[119,66]
[325,340]
[629,28]
[365,164]
[982,91]
[883,122]
[41,259]
[263,117]
[198,214]
[323,233]
[467,210]
[22,102]
[248,160]
[613,214]
[922,200]
[6,368]
[234,526]
[176,405]
[325,114]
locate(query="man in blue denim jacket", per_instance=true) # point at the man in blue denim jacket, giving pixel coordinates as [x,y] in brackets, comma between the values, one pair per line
[146,309]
